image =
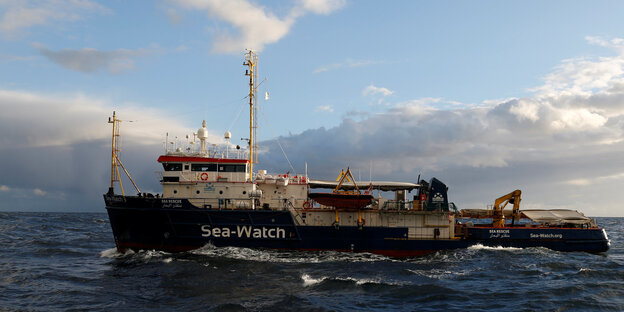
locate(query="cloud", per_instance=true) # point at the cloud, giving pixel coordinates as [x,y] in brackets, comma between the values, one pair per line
[89,60]
[16,58]
[562,144]
[595,180]
[585,76]
[254,25]
[62,120]
[376,93]
[349,63]
[323,6]
[57,147]
[324,108]
[182,48]
[525,109]
[174,16]
[372,90]
[614,43]
[24,14]
[568,133]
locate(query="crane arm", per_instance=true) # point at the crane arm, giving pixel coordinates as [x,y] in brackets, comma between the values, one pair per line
[500,204]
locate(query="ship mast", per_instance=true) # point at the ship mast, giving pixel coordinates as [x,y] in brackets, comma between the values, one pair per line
[115,150]
[251,61]
[115,161]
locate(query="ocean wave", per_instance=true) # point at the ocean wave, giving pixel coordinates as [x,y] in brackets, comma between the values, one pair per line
[482,247]
[439,274]
[144,256]
[309,281]
[619,259]
[45,267]
[113,253]
[286,256]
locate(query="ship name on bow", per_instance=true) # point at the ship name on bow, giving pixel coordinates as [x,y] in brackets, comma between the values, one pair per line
[243,232]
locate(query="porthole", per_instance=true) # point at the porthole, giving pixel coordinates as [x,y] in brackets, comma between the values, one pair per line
[175,191]
[244,192]
[220,192]
[197,191]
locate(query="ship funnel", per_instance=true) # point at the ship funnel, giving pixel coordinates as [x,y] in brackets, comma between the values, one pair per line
[437,198]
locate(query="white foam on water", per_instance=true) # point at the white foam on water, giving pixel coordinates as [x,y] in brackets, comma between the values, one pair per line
[150,254]
[109,253]
[361,281]
[286,256]
[310,281]
[142,255]
[239,253]
[113,253]
[482,247]
[438,274]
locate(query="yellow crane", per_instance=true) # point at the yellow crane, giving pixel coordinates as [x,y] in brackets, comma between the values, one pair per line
[499,204]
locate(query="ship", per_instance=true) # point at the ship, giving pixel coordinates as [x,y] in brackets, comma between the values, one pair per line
[211,196]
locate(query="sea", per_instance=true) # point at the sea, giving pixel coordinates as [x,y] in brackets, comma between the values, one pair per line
[68,262]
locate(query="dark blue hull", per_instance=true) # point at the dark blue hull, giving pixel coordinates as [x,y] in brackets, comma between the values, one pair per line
[560,239]
[176,225]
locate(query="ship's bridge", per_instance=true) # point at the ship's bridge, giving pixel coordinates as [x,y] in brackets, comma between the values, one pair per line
[185,168]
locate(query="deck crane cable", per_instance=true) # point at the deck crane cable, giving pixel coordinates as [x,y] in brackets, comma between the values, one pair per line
[238,114]
[278,141]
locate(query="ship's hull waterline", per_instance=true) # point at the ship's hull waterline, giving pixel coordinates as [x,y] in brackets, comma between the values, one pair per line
[146,223]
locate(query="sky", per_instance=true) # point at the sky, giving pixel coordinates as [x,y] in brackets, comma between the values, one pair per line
[487,96]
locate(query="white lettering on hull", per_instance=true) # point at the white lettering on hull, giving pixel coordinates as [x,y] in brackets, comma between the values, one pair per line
[504,233]
[243,232]
[549,235]
[499,233]
[172,203]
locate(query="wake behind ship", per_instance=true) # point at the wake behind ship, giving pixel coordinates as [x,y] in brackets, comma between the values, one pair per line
[214,196]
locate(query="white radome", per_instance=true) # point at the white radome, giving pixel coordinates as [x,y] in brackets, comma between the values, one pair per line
[202,133]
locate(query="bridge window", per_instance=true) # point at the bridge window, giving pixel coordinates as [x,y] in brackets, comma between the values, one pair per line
[204,167]
[172,167]
[232,168]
